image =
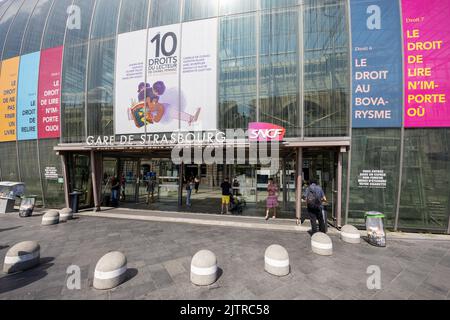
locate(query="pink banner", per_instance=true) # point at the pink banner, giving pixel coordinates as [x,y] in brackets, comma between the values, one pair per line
[426,32]
[49,93]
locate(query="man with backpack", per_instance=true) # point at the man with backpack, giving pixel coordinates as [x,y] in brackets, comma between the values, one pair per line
[314,196]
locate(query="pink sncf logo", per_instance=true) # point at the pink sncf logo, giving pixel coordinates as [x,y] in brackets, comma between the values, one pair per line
[261,131]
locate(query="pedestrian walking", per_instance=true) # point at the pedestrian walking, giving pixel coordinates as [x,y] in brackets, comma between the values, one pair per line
[314,196]
[151,190]
[115,189]
[272,199]
[197,183]
[189,188]
[226,195]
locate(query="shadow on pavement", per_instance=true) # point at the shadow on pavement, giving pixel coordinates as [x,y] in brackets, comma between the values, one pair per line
[21,279]
[131,273]
[9,229]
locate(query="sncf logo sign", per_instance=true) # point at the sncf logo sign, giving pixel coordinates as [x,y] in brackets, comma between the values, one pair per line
[261,131]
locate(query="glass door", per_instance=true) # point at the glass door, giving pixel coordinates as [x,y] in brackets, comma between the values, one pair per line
[129,180]
[321,165]
[81,179]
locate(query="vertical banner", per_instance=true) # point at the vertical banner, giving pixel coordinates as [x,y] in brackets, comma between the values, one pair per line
[376,63]
[49,93]
[130,83]
[163,67]
[27,97]
[198,109]
[8,95]
[426,34]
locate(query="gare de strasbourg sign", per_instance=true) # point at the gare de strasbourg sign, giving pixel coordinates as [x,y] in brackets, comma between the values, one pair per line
[257,132]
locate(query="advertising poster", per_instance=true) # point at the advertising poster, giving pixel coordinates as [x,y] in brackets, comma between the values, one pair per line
[199,76]
[49,93]
[177,89]
[130,78]
[426,35]
[8,95]
[148,102]
[376,64]
[163,70]
[27,97]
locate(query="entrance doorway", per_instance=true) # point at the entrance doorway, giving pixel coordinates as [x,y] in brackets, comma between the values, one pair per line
[249,181]
[320,165]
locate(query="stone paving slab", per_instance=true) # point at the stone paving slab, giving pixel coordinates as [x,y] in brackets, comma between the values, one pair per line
[159,255]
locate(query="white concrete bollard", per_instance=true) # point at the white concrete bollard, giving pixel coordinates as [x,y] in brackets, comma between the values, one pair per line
[204,268]
[51,217]
[22,256]
[350,234]
[321,244]
[276,260]
[110,271]
[65,215]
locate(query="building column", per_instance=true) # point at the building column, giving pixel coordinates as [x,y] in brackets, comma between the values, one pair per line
[66,179]
[339,190]
[298,187]
[94,170]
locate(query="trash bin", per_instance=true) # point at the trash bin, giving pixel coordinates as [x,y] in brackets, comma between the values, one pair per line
[27,204]
[7,205]
[9,191]
[75,200]
[375,228]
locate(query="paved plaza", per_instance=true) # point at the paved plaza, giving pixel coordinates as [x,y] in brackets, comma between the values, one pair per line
[159,255]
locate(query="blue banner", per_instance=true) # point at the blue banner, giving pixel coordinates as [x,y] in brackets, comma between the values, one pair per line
[377,76]
[27,97]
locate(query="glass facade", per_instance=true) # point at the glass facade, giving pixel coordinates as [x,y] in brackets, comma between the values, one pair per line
[285,62]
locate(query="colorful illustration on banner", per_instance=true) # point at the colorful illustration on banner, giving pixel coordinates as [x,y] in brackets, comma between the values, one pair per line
[150,109]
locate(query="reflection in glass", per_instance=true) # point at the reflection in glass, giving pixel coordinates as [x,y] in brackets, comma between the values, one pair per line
[101,87]
[268,4]
[200,9]
[56,24]
[29,169]
[7,19]
[374,149]
[326,69]
[73,93]
[105,19]
[133,15]
[8,162]
[237,6]
[279,85]
[237,71]
[33,34]
[425,197]
[17,29]
[164,12]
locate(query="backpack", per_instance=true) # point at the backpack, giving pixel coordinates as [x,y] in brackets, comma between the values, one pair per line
[312,200]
